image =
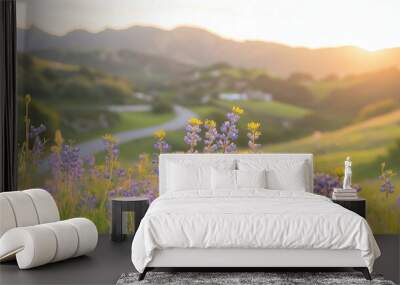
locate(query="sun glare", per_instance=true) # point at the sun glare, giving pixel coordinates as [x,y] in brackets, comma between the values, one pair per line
[368,24]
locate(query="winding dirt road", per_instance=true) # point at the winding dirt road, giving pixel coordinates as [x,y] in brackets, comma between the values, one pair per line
[182,116]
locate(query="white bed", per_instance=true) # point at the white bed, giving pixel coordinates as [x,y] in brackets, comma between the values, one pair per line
[249,227]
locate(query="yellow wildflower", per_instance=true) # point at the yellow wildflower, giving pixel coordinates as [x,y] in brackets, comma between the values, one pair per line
[253,126]
[109,138]
[237,110]
[58,138]
[160,134]
[28,98]
[195,122]
[210,124]
[130,171]
[339,171]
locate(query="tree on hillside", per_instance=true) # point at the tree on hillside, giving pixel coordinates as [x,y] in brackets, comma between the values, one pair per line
[300,77]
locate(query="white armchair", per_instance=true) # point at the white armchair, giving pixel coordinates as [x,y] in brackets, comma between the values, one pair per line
[31,230]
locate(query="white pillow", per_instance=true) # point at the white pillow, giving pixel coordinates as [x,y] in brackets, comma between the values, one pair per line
[281,174]
[223,179]
[184,174]
[251,178]
[186,178]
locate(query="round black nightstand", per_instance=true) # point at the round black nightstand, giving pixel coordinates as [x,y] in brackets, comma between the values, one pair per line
[138,205]
[358,206]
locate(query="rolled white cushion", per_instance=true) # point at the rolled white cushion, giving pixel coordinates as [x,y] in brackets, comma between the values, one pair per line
[23,208]
[33,246]
[45,205]
[67,240]
[7,218]
[87,235]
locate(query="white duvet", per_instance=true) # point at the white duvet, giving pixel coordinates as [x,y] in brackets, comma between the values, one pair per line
[250,219]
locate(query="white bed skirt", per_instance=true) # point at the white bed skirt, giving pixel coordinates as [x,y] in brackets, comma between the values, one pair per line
[190,257]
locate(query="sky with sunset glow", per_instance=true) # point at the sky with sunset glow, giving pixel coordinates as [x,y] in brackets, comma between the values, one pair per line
[369,24]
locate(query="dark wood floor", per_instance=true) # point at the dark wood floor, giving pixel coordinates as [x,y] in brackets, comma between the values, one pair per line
[110,260]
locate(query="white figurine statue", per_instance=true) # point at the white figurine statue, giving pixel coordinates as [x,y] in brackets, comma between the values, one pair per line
[347,174]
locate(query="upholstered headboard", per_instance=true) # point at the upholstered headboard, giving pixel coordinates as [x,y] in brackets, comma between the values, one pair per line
[209,158]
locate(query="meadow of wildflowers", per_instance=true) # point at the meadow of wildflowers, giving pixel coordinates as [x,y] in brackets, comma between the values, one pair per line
[83,186]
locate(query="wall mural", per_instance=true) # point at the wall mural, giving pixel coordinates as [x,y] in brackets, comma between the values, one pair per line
[100,96]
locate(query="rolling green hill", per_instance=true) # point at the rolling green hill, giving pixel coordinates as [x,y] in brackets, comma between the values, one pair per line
[222,78]
[146,71]
[369,143]
[365,89]
[364,141]
[266,108]
[73,98]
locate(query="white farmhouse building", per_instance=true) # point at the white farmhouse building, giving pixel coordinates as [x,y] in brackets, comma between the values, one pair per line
[253,95]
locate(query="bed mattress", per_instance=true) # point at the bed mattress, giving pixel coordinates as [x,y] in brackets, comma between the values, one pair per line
[250,219]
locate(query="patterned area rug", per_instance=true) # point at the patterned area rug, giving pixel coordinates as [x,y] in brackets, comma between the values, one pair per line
[229,278]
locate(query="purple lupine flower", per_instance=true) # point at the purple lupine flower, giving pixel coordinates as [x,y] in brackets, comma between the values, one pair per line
[229,131]
[210,136]
[386,177]
[112,153]
[112,193]
[67,163]
[34,132]
[37,150]
[121,172]
[70,162]
[161,144]
[324,184]
[193,130]
[134,189]
[55,163]
[90,161]
[154,164]
[88,200]
[150,194]
[112,150]
[357,187]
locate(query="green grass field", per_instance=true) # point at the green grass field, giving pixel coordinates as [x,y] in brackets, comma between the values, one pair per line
[367,144]
[130,121]
[205,111]
[271,108]
[322,89]
[129,152]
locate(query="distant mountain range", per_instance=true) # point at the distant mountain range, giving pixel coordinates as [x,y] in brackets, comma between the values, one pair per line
[194,46]
[143,70]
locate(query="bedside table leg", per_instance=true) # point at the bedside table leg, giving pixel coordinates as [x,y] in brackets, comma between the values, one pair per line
[140,211]
[116,226]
